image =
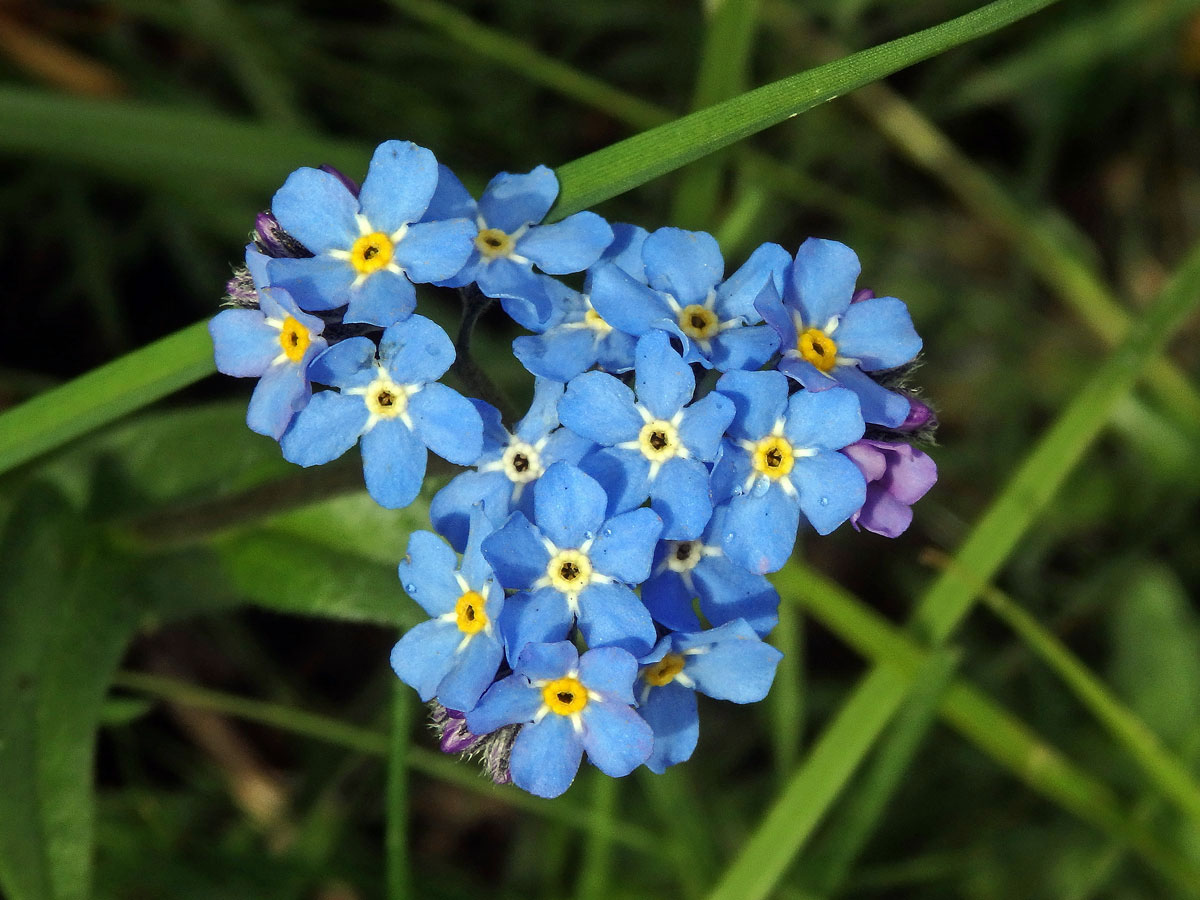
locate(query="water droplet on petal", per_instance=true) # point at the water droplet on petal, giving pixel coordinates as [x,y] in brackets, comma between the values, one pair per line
[409,588]
[608,532]
[590,535]
[824,501]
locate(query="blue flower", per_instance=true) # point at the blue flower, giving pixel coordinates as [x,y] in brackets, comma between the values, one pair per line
[508,241]
[571,563]
[716,319]
[368,249]
[454,656]
[656,445]
[827,340]
[685,570]
[394,404]
[274,343]
[726,663]
[568,704]
[781,460]
[509,465]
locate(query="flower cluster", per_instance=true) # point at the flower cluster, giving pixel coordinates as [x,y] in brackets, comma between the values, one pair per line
[684,427]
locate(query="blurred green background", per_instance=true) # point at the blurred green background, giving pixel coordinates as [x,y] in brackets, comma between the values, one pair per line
[1027,194]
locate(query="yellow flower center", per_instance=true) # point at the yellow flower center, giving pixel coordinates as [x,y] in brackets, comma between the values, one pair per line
[818,348]
[385,398]
[773,457]
[664,671]
[494,243]
[596,322]
[294,339]
[569,571]
[565,696]
[469,614]
[698,322]
[658,440]
[371,252]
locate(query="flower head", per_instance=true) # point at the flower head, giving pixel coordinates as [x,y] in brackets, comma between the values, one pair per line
[898,475]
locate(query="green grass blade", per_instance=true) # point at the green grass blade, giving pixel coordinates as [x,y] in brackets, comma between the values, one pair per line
[596,866]
[399,874]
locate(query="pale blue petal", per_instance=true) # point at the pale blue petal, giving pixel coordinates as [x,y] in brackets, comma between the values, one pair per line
[611,615]
[685,264]
[542,417]
[567,246]
[425,654]
[509,701]
[879,405]
[528,300]
[759,399]
[399,184]
[737,295]
[822,280]
[625,250]
[516,553]
[347,364]
[736,666]
[545,757]
[243,343]
[704,424]
[383,299]
[616,738]
[316,209]
[624,547]
[495,435]
[416,350]
[830,490]
[325,429]
[728,592]
[600,408]
[878,333]
[474,667]
[801,370]
[435,251]
[625,303]
[540,617]
[279,395]
[828,420]
[624,475]
[609,671]
[474,568]
[447,424]
[450,510]
[568,505]
[746,347]
[669,601]
[671,713]
[393,464]
[450,199]
[664,381]
[427,573]
[760,529]
[278,303]
[614,352]
[680,495]
[510,201]
[315,283]
[547,660]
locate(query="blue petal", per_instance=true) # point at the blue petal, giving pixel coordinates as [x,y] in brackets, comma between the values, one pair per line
[759,399]
[279,395]
[560,353]
[256,264]
[879,405]
[614,352]
[728,592]
[611,615]
[542,417]
[447,424]
[427,573]
[736,664]
[383,299]
[664,382]
[277,303]
[830,491]
[416,350]
[609,671]
[538,618]
[507,702]
[567,246]
[624,475]
[736,296]
[599,407]
[548,660]
[671,713]
[822,281]
[828,420]
[680,494]
[495,435]
[625,250]
[685,264]
[399,184]
[704,424]
[669,601]
[616,738]
[472,671]
[624,547]
[450,199]
[325,429]
[801,370]
[474,568]
[393,464]
[745,347]
[425,654]
[347,364]
[878,333]
[527,299]
[770,306]
[435,251]
[545,756]
[625,303]
[316,209]
[243,343]
[760,530]
[510,201]
[450,510]
[316,283]
[568,505]
[516,553]
[729,474]
[564,445]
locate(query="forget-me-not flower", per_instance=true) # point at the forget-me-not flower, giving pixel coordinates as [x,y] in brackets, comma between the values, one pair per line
[898,475]
[573,563]
[781,459]
[568,704]
[827,340]
[454,656]
[394,404]
[655,444]
[370,248]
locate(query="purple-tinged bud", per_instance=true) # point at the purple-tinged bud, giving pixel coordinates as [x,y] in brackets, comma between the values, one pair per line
[350,183]
[919,416]
[898,475]
[273,241]
[451,727]
[862,294]
[240,291]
